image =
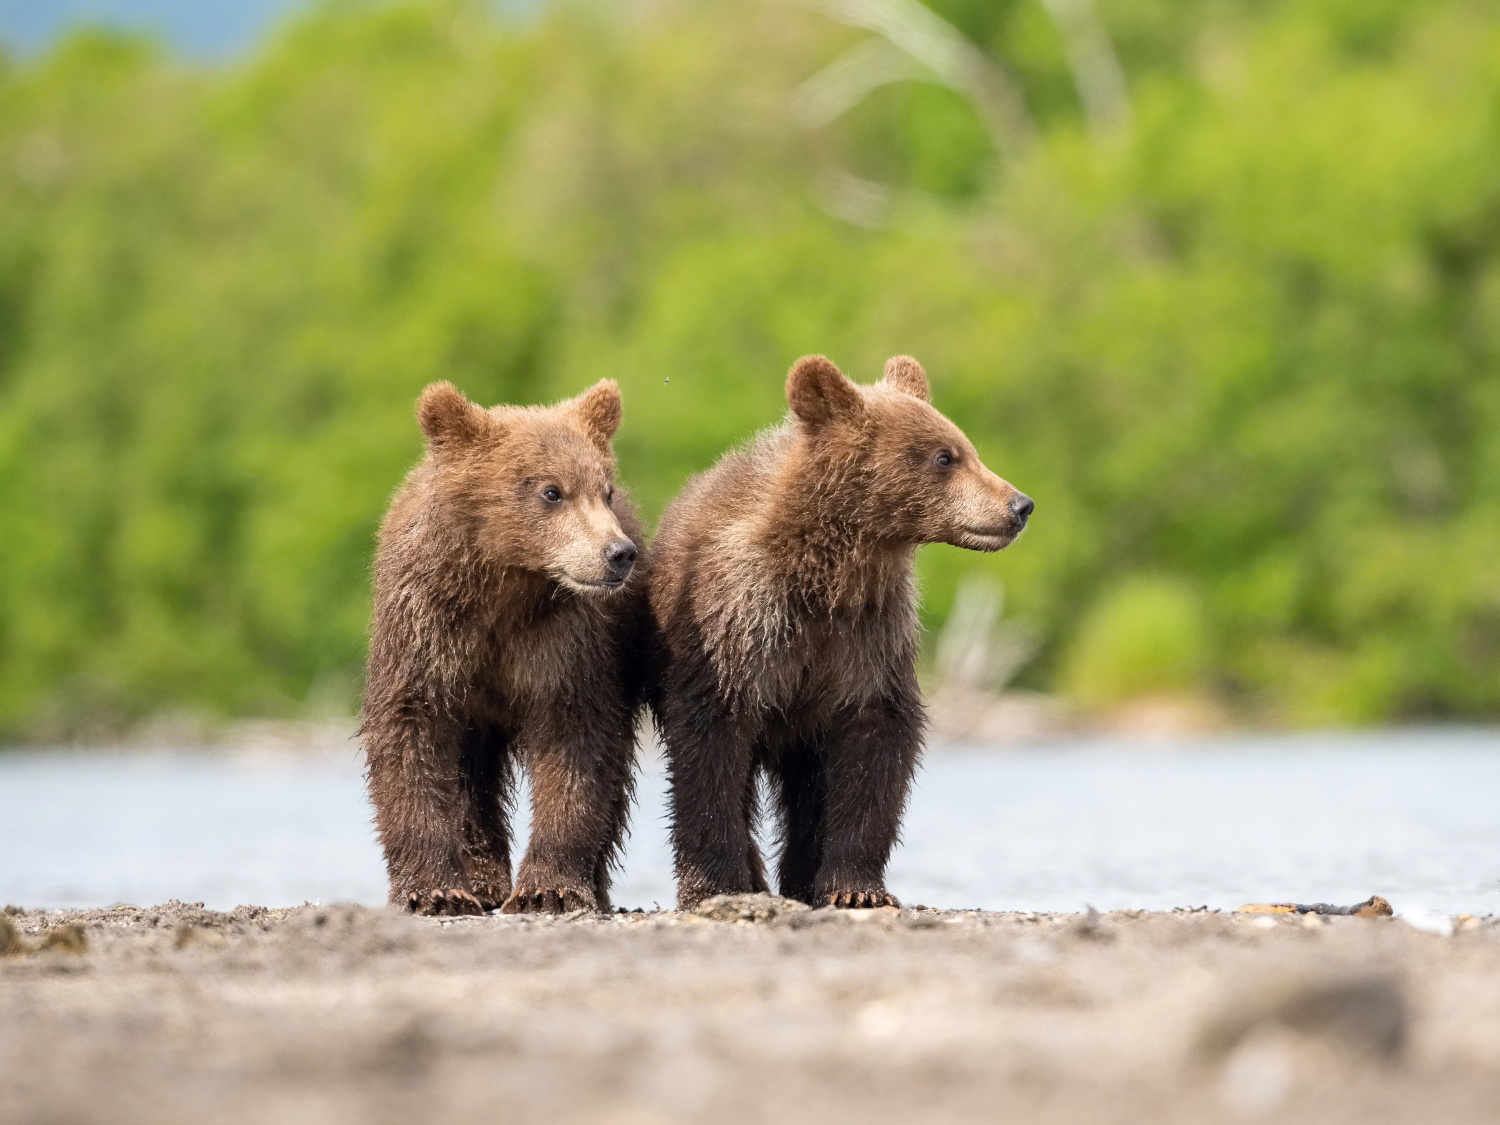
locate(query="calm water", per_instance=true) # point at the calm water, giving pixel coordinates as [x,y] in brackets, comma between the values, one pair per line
[1412,816]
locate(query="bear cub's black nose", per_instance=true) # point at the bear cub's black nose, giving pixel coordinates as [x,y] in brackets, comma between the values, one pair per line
[619,554]
[1022,506]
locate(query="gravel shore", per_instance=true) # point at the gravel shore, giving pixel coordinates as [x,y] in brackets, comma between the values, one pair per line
[757,1009]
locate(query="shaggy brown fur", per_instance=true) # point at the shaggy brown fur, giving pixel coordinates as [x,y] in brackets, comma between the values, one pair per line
[782,589]
[508,600]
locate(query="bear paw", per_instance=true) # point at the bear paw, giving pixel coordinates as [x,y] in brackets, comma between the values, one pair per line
[492,896]
[861,900]
[449,902]
[559,898]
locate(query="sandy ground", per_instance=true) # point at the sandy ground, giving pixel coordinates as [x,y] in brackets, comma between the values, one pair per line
[760,1011]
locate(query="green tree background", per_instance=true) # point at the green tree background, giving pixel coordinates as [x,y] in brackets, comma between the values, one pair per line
[1237,333]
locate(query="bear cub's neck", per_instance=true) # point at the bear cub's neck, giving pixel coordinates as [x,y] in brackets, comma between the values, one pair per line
[823,535]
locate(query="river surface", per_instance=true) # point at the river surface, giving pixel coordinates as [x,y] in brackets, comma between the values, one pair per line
[1413,816]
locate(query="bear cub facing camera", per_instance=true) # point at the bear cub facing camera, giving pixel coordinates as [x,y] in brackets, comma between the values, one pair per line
[508,598]
[782,591]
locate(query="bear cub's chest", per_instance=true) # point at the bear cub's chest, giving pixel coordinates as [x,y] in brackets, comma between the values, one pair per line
[528,663]
[824,664]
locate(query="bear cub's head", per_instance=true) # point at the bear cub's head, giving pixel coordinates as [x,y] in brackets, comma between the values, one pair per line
[923,482]
[533,486]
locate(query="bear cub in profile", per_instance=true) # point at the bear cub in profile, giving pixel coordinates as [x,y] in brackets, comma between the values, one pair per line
[508,595]
[783,594]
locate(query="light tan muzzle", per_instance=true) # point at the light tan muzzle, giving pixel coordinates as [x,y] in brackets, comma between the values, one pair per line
[598,556]
[990,512]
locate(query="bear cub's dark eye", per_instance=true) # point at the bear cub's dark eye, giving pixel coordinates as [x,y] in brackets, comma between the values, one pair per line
[944,460]
[609,497]
[552,494]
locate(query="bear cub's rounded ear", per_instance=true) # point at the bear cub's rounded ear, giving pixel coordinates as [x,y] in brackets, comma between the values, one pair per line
[818,392]
[906,375]
[599,409]
[447,417]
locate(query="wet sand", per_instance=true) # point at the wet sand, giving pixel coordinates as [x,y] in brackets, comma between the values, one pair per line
[761,1011]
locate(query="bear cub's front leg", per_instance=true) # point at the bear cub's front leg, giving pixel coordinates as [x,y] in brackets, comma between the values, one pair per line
[713,802]
[580,794]
[445,853]
[871,755]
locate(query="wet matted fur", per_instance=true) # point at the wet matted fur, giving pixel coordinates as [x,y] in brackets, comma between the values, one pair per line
[782,592]
[507,613]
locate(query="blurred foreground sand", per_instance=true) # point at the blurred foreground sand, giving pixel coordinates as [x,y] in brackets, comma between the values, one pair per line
[762,1011]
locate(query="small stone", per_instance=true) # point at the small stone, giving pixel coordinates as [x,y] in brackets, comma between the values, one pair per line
[748,908]
[11,944]
[189,934]
[873,914]
[1366,1014]
[67,938]
[1090,927]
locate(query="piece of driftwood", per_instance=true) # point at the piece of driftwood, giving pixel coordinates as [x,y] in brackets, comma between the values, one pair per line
[1372,907]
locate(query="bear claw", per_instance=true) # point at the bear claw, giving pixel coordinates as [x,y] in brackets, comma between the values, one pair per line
[861,900]
[450,902]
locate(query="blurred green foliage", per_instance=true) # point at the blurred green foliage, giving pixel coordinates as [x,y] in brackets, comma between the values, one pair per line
[1243,353]
[1145,637]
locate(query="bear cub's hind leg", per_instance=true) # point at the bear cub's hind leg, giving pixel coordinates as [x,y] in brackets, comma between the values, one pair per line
[798,782]
[487,778]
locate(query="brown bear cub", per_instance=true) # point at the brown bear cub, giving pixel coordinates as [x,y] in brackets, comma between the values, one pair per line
[509,597]
[782,589]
